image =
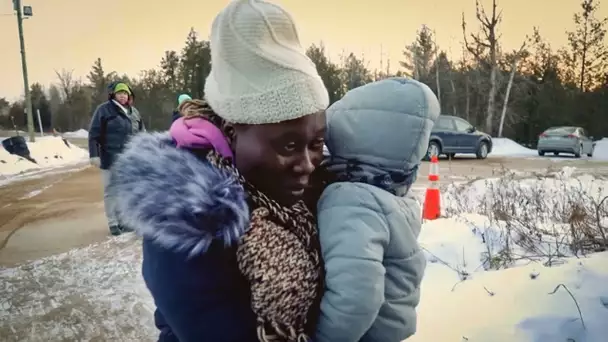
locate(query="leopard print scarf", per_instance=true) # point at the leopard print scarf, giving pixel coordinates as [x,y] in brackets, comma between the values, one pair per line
[280,257]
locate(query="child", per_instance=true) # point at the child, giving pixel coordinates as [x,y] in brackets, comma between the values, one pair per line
[368,222]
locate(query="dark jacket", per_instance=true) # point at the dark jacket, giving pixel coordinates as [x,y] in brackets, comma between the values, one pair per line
[109,132]
[176,115]
[191,216]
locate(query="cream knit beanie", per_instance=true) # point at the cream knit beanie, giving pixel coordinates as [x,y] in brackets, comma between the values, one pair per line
[259,71]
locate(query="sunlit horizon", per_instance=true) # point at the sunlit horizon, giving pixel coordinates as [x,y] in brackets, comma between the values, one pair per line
[133,39]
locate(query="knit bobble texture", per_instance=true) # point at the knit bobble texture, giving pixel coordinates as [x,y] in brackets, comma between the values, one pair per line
[260,73]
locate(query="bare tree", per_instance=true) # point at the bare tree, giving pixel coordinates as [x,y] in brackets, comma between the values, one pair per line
[452,84]
[438,82]
[484,47]
[66,83]
[515,58]
[464,65]
[77,104]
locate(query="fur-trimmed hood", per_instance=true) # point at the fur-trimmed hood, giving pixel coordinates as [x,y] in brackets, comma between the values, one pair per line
[171,196]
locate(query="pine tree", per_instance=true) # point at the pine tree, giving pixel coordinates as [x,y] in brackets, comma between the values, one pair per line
[587,56]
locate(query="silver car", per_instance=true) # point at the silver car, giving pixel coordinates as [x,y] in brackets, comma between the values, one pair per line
[565,139]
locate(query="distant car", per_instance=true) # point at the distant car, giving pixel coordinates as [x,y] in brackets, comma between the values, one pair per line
[452,135]
[566,139]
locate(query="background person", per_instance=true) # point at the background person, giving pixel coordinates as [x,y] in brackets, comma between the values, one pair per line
[180,99]
[114,122]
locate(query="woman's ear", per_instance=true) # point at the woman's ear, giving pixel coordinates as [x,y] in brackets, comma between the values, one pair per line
[230,133]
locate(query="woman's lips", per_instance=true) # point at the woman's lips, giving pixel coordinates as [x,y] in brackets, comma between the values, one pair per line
[297,189]
[297,192]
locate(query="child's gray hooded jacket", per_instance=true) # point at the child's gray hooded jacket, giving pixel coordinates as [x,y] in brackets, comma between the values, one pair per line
[368,223]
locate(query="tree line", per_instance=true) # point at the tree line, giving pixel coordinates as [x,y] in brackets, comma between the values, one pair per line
[514,93]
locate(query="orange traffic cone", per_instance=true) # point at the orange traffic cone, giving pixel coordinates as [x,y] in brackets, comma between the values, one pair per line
[432,200]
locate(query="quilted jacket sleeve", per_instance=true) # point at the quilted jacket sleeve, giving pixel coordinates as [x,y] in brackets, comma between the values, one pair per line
[354,234]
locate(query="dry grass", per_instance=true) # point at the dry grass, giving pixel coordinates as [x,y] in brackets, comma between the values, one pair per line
[547,217]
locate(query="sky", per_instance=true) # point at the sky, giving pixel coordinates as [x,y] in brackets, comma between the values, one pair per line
[130,36]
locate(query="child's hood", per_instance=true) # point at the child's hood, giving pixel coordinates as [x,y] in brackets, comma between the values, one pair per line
[386,123]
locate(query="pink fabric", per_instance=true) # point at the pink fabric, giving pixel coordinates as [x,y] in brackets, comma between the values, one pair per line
[199,133]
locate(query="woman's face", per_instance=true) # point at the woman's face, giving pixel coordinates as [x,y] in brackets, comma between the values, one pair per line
[280,158]
[122,97]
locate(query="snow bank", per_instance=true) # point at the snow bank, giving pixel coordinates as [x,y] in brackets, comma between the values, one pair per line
[553,188]
[542,218]
[507,147]
[81,134]
[493,280]
[601,150]
[11,164]
[97,293]
[49,153]
[516,304]
[504,147]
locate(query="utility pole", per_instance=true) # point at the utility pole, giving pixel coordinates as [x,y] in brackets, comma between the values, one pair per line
[26,84]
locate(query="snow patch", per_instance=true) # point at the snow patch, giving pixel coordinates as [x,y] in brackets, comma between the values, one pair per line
[542,218]
[88,294]
[49,153]
[485,283]
[601,150]
[36,192]
[81,134]
[507,147]
[553,189]
[517,304]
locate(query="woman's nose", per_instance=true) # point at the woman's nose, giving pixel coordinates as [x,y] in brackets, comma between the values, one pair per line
[305,164]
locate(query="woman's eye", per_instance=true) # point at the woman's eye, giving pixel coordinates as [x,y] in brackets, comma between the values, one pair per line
[318,144]
[290,146]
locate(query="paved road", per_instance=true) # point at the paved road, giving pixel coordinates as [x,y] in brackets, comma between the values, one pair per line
[60,211]
[50,215]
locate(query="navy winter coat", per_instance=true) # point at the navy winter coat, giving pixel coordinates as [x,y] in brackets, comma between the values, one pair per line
[176,115]
[190,215]
[109,132]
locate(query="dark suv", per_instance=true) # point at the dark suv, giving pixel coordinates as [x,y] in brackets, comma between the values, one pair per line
[452,135]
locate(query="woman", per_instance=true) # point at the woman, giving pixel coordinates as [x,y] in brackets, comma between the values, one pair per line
[180,99]
[112,125]
[230,252]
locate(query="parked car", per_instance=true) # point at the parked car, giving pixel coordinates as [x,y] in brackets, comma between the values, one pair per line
[452,135]
[566,139]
